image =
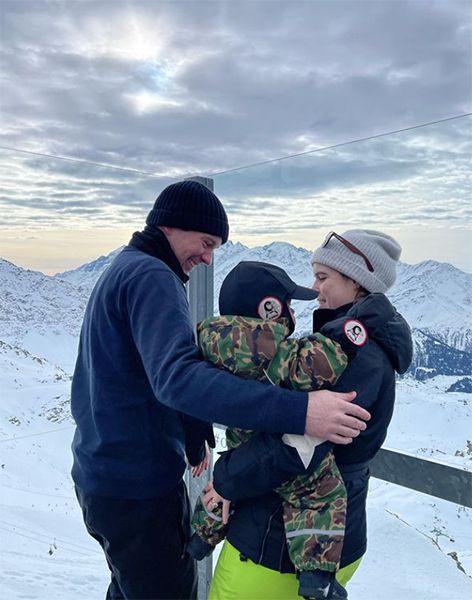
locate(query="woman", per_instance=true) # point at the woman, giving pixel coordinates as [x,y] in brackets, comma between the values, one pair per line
[352,273]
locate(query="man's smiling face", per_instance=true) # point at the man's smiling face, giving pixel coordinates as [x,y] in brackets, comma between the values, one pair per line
[191,248]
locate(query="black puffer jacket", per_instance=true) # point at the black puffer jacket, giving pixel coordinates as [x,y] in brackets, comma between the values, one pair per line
[248,474]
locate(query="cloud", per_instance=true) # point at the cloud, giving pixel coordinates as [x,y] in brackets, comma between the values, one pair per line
[203,86]
[405,178]
[180,88]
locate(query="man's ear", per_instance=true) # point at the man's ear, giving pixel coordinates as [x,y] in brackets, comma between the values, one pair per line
[168,231]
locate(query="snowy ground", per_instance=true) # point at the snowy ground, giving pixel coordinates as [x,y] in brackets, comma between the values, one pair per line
[417,544]
[410,536]
[431,423]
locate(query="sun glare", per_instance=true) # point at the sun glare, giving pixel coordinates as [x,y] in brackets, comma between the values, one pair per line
[145,102]
[128,37]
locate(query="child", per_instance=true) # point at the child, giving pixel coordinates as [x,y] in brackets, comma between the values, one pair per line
[251,339]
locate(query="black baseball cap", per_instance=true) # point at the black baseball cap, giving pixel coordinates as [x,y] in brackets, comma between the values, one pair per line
[250,282]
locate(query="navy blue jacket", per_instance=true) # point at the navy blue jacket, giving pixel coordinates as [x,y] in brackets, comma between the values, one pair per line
[137,366]
[248,474]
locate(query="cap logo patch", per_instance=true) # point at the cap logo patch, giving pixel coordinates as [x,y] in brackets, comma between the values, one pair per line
[270,308]
[355,332]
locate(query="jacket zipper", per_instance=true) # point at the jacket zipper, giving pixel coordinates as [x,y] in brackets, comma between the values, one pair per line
[266,533]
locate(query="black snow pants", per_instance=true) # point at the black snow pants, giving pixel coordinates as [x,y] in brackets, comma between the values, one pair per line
[144,544]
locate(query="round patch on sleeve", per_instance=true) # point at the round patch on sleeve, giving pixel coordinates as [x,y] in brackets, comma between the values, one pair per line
[270,308]
[355,332]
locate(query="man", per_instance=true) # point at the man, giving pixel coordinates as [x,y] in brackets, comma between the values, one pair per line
[137,366]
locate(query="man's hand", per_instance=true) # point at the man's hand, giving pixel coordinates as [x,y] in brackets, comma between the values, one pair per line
[332,416]
[203,466]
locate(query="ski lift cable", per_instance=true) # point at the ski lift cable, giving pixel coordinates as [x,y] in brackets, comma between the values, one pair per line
[36,492]
[340,144]
[47,537]
[22,437]
[232,170]
[28,537]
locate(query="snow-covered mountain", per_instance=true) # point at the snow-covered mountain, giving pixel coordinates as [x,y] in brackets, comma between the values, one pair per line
[86,275]
[433,357]
[434,297]
[40,314]
[43,314]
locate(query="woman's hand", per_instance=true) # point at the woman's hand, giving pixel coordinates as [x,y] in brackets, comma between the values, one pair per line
[203,466]
[211,499]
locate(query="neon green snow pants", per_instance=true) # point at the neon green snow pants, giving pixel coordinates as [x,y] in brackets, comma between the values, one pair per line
[234,579]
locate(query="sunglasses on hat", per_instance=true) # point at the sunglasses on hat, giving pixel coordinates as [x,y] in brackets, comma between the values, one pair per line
[349,246]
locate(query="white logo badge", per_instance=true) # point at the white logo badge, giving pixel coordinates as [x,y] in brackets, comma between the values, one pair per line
[355,332]
[269,308]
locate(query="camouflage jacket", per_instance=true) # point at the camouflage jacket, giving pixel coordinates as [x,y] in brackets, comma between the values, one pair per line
[257,349]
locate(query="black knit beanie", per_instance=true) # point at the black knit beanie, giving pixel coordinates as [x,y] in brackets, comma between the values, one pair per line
[190,205]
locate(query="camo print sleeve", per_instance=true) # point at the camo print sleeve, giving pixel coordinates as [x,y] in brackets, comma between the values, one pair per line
[315,517]
[240,345]
[308,363]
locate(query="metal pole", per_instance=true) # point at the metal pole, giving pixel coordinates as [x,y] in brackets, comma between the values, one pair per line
[200,295]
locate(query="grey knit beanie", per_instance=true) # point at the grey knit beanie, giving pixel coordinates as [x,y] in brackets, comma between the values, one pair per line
[382,251]
[190,205]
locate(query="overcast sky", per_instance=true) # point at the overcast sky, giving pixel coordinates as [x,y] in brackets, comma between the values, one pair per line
[179,88]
